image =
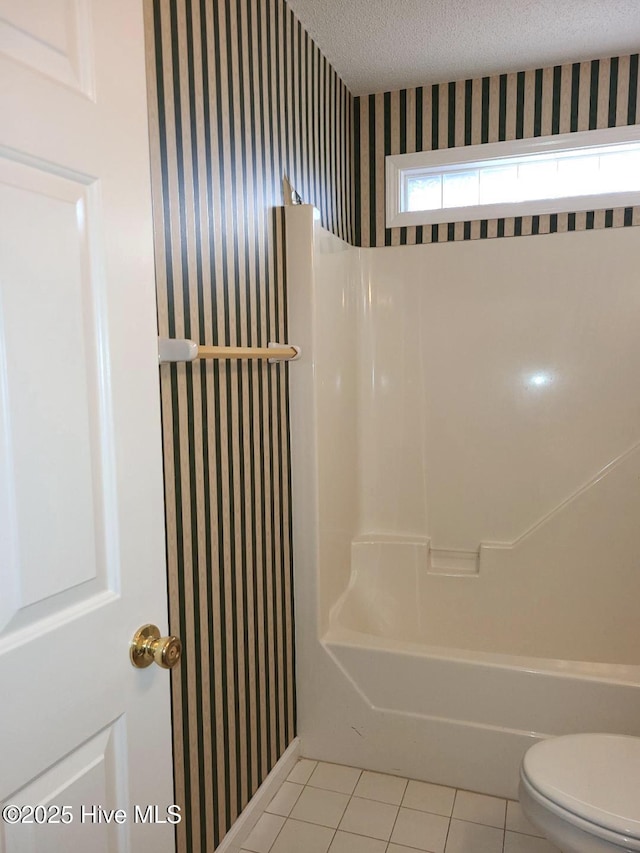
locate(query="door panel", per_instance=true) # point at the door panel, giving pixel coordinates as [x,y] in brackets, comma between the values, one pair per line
[82,563]
[94,770]
[52,427]
[50,36]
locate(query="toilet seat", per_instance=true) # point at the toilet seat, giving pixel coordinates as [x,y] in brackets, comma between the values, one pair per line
[592,780]
[618,842]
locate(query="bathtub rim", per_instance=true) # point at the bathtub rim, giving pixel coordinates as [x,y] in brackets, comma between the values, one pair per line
[607,673]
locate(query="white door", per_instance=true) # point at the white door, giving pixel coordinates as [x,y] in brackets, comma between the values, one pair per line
[82,563]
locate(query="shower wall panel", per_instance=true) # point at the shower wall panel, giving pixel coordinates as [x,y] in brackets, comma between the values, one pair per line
[500,441]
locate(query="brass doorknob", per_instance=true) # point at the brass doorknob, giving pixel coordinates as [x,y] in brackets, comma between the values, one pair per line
[148,646]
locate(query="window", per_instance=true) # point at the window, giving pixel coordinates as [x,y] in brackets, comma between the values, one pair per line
[589,170]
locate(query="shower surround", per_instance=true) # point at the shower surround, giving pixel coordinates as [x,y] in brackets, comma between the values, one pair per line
[466,453]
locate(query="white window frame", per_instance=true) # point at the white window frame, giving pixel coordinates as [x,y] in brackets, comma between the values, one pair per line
[401,166]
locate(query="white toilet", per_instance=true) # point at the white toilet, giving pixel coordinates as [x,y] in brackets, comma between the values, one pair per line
[583,792]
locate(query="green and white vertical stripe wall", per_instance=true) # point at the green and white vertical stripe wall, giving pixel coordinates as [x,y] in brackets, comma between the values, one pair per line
[563,99]
[239,95]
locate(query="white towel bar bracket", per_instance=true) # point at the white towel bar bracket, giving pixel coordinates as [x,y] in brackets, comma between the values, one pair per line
[176,349]
[276,358]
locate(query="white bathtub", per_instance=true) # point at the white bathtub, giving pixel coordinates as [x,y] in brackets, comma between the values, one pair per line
[383,637]
[402,668]
[451,715]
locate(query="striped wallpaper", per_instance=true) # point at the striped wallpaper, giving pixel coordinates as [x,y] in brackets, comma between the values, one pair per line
[238,96]
[565,98]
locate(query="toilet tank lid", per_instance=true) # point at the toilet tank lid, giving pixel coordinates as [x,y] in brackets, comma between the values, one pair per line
[595,776]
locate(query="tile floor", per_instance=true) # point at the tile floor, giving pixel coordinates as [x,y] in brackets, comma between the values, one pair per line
[328,808]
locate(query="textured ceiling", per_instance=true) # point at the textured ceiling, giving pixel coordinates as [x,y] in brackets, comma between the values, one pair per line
[381,45]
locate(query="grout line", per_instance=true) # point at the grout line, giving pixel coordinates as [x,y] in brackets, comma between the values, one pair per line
[293,805]
[504,832]
[446,838]
[455,797]
[343,813]
[453,808]
[395,821]
[478,823]
[278,835]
